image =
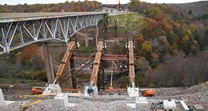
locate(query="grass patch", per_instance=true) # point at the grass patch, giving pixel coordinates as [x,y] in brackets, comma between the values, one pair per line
[133,21]
[22,81]
[87,50]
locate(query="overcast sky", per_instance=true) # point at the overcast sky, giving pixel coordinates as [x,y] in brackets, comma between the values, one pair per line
[14,2]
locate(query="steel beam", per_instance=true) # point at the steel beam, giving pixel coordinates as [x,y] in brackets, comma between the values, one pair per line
[65,61]
[96,65]
[131,64]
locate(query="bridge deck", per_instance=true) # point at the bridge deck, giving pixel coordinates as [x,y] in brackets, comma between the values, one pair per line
[13,17]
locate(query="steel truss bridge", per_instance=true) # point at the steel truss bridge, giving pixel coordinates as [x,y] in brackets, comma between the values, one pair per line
[20,29]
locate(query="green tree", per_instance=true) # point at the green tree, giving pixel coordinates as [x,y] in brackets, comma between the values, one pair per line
[171,38]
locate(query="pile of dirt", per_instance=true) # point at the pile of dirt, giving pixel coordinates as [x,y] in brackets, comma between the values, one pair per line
[203,87]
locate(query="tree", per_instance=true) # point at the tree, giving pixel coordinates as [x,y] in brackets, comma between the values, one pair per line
[146,46]
[190,12]
[186,44]
[171,38]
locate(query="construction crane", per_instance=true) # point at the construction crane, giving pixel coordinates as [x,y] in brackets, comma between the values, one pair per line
[54,88]
[91,89]
[119,5]
[132,90]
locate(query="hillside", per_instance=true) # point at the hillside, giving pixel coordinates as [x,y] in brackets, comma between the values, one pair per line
[195,8]
[180,71]
[59,7]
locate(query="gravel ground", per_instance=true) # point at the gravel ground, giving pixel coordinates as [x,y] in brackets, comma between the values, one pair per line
[82,105]
[194,95]
[198,93]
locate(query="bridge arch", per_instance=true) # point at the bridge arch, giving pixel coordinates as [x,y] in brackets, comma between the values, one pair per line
[17,32]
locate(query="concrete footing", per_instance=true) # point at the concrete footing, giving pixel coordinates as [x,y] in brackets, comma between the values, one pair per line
[61,100]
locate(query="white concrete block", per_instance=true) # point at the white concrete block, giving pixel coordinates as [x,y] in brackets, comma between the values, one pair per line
[61,100]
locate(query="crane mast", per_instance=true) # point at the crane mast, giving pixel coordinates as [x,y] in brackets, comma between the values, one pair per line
[119,5]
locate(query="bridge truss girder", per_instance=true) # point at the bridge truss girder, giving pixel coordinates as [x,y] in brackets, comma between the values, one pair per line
[17,34]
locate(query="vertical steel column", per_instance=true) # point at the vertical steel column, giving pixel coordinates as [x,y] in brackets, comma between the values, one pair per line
[86,37]
[73,78]
[69,81]
[96,36]
[48,64]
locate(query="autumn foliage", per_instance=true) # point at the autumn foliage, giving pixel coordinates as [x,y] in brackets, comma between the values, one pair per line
[61,7]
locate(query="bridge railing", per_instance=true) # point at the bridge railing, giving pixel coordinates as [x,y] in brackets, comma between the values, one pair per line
[17,32]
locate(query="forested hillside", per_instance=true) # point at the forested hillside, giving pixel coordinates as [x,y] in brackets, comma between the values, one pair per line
[67,7]
[169,33]
[195,8]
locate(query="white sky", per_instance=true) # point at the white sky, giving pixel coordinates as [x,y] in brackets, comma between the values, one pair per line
[14,2]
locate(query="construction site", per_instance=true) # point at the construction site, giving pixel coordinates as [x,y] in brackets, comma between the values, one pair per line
[86,80]
[99,93]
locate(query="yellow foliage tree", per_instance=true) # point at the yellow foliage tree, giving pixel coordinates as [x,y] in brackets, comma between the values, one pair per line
[185,39]
[164,40]
[154,56]
[146,46]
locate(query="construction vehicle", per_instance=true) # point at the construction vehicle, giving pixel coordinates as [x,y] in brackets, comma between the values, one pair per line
[132,90]
[149,92]
[37,90]
[91,89]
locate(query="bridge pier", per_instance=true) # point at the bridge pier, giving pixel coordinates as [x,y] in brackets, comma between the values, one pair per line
[48,64]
